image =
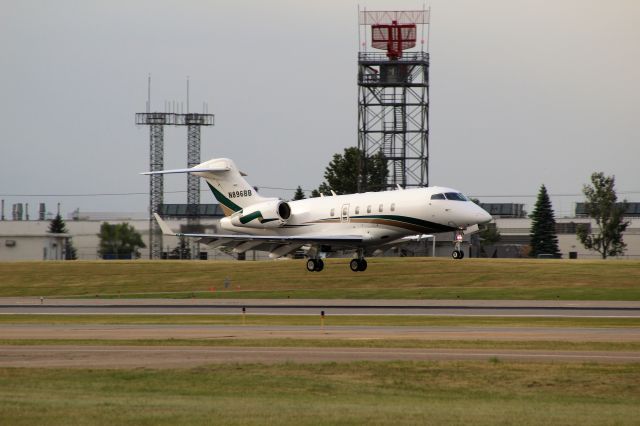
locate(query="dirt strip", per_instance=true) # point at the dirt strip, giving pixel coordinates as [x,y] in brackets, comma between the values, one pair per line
[70,356]
[26,301]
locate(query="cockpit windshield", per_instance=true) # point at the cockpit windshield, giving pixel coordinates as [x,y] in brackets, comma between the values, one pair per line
[454,196]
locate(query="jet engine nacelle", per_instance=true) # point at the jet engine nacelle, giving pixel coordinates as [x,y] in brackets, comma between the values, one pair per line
[268,214]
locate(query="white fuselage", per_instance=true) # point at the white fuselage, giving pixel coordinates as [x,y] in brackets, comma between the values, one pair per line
[377,217]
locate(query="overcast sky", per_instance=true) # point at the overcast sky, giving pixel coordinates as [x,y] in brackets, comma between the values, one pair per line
[522,93]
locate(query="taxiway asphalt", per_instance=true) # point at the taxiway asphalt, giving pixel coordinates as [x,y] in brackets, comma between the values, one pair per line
[522,308]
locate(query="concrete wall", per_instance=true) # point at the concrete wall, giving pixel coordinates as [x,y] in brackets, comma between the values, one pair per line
[14,247]
[85,237]
[32,241]
[520,228]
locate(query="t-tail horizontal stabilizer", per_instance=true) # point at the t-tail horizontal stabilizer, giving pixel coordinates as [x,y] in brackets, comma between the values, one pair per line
[191,170]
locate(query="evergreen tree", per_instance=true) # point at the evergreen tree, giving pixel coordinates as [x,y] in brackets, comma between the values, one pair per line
[119,241]
[602,205]
[58,226]
[543,227]
[315,193]
[299,195]
[341,175]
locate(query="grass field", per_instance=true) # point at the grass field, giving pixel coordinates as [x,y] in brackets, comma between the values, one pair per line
[476,393]
[330,320]
[343,343]
[454,392]
[386,278]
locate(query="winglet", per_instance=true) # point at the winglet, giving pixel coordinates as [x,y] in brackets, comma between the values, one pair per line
[163,225]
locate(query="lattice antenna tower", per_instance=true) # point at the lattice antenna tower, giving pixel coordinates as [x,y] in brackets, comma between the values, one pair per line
[156,122]
[393,95]
[193,121]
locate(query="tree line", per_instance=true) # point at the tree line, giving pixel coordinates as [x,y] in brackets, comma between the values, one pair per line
[122,241]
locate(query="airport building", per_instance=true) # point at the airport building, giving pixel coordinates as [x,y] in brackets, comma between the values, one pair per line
[29,239]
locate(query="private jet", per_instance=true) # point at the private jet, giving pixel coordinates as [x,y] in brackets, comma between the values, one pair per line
[362,223]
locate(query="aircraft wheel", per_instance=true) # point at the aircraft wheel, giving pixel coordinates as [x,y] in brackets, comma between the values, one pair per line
[319,265]
[354,265]
[311,265]
[363,265]
[455,254]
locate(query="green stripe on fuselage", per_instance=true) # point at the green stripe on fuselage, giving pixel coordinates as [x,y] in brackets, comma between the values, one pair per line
[224,200]
[418,224]
[430,226]
[248,218]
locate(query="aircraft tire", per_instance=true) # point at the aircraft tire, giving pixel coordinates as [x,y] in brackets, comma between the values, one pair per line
[363,265]
[455,254]
[311,265]
[319,265]
[354,265]
[461,254]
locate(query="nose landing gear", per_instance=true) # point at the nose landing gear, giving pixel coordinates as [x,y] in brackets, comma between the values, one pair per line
[457,249]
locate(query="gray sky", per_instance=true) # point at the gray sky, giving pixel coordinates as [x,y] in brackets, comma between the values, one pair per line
[522,93]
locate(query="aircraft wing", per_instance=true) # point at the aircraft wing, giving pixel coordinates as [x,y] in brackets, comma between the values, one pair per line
[278,245]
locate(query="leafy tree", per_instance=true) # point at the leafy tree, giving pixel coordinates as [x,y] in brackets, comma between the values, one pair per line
[299,195]
[120,241]
[543,227]
[376,172]
[58,226]
[601,205]
[341,174]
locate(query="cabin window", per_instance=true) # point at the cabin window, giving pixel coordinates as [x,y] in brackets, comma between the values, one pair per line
[380,208]
[333,212]
[369,209]
[357,209]
[393,207]
[437,197]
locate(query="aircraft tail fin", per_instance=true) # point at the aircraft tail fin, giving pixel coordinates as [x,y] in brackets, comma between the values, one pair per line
[225,181]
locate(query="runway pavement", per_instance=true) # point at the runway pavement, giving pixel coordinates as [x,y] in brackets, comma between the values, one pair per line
[119,356]
[573,309]
[189,356]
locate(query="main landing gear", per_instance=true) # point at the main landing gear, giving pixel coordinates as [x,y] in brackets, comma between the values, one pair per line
[356,265]
[315,265]
[457,250]
[359,264]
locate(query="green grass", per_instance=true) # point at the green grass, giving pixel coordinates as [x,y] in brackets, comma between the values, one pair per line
[397,278]
[330,320]
[476,393]
[260,342]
